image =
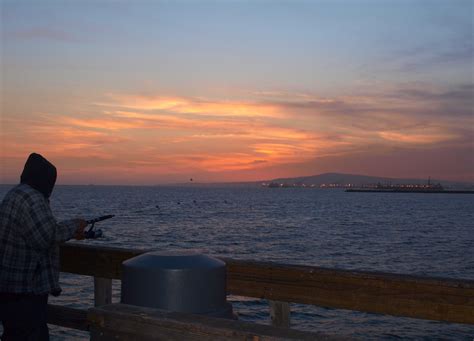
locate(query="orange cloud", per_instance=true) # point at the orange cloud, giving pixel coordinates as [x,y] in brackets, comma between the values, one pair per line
[157,135]
[423,136]
[182,105]
[105,124]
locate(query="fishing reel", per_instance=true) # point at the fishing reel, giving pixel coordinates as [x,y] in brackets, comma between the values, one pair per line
[90,233]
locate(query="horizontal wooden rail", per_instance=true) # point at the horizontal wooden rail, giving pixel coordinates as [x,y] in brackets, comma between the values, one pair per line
[97,261]
[127,322]
[68,317]
[121,321]
[400,295]
[450,300]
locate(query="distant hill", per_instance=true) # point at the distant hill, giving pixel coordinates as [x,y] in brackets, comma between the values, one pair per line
[360,180]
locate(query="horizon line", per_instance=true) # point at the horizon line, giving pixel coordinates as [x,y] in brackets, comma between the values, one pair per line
[246,182]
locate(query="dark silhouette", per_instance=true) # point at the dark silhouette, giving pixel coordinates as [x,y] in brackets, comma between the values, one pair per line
[40,174]
[29,251]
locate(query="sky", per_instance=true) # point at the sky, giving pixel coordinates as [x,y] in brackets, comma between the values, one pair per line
[153,92]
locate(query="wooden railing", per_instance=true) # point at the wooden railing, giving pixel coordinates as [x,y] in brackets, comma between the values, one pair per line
[128,322]
[442,299]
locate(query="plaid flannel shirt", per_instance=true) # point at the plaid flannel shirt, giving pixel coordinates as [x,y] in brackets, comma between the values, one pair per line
[29,242]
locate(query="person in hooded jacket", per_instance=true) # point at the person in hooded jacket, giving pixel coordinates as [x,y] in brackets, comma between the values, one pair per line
[29,251]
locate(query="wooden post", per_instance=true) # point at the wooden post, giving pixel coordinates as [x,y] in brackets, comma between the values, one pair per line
[102,291]
[280,313]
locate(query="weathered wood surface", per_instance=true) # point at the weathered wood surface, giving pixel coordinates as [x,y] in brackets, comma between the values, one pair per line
[92,260]
[400,295]
[120,321]
[102,291]
[67,317]
[450,300]
[280,314]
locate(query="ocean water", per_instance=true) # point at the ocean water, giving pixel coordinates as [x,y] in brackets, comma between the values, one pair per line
[419,234]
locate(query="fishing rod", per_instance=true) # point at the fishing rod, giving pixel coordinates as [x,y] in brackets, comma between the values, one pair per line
[91,234]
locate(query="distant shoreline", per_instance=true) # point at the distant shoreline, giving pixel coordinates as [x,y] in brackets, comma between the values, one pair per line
[365,190]
[325,180]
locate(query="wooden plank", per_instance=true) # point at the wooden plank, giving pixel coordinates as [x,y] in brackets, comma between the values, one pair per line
[280,314]
[99,261]
[102,291]
[450,300]
[68,317]
[121,321]
[400,295]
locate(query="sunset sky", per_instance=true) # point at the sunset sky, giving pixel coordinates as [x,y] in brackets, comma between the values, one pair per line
[150,92]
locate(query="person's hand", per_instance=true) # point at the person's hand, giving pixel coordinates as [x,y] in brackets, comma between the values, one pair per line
[79,234]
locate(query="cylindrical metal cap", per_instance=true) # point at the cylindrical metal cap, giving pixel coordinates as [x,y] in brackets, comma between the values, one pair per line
[184,282]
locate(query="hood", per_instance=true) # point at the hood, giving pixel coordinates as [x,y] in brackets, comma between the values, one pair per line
[40,174]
